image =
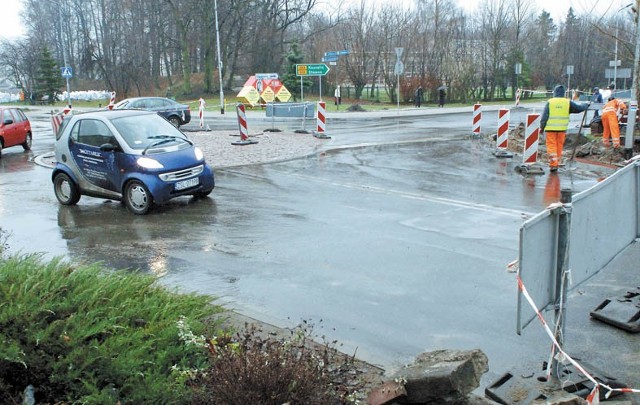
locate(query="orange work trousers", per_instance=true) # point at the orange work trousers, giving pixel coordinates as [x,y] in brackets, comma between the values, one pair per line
[610,129]
[555,143]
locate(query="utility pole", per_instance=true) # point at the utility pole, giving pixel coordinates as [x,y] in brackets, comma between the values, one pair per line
[215,6]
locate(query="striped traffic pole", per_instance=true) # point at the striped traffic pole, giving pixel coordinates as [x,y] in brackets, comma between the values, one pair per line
[477,117]
[530,154]
[242,125]
[321,119]
[518,98]
[532,132]
[112,100]
[201,105]
[502,138]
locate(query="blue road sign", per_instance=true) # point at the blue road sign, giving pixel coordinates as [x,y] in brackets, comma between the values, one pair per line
[343,52]
[67,72]
[330,54]
[330,59]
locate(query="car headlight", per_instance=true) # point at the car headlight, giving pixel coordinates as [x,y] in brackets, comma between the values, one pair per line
[149,163]
[199,154]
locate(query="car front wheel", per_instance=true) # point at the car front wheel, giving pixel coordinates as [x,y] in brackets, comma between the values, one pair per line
[137,197]
[27,142]
[65,189]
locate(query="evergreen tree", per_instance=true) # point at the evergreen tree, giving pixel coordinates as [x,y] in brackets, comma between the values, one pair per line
[48,78]
[290,80]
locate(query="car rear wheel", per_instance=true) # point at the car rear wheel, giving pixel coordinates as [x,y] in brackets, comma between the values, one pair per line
[137,197]
[27,142]
[175,121]
[65,189]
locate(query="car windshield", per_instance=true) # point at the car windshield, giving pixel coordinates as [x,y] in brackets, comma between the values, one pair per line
[145,132]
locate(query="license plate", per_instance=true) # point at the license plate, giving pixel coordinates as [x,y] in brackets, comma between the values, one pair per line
[181,185]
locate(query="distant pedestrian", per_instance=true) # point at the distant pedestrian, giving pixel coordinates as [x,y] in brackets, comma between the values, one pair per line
[554,122]
[419,93]
[442,94]
[596,97]
[336,96]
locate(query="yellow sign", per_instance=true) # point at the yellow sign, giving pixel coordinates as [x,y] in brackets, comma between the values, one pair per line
[283,94]
[249,95]
[268,95]
[301,70]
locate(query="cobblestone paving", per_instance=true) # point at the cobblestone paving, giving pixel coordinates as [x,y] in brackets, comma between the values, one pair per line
[271,147]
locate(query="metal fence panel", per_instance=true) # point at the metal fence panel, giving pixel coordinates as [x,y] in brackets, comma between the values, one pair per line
[291,110]
[537,263]
[603,222]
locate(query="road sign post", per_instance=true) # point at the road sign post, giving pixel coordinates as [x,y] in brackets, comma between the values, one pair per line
[311,69]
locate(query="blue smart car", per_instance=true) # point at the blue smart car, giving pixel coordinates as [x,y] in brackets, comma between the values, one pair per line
[134,156]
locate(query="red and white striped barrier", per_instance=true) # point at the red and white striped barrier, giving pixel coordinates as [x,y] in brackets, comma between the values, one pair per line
[477,117]
[594,396]
[112,100]
[242,125]
[56,119]
[321,117]
[518,92]
[201,104]
[502,139]
[532,132]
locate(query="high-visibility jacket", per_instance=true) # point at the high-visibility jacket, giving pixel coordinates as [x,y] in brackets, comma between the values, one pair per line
[558,114]
[613,106]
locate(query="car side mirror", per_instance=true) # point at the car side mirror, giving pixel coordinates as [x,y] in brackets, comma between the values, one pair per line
[8,121]
[107,147]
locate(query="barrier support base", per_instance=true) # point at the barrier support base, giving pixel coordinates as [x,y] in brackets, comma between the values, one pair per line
[245,142]
[502,153]
[523,388]
[273,130]
[622,312]
[301,131]
[321,135]
[526,170]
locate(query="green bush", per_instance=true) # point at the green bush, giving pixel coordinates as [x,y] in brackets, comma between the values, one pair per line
[88,335]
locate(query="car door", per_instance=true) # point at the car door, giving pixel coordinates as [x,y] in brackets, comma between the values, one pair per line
[97,165]
[10,130]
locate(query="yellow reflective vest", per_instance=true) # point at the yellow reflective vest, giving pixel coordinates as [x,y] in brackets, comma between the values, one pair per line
[558,114]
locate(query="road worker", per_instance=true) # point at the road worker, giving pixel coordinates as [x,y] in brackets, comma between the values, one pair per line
[554,123]
[610,126]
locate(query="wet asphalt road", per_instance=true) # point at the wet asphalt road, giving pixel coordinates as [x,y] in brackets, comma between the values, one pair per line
[394,247]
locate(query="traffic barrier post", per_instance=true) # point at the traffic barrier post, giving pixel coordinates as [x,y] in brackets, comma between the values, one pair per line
[502,137]
[242,125]
[477,117]
[321,120]
[112,100]
[530,154]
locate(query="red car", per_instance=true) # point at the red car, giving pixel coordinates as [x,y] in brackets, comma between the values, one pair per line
[15,128]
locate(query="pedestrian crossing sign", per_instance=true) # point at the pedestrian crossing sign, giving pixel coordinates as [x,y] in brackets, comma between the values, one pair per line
[67,72]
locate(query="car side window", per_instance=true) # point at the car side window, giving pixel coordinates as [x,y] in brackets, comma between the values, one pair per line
[94,133]
[20,115]
[16,115]
[6,116]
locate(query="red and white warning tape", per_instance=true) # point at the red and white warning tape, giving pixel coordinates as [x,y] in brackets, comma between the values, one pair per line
[594,397]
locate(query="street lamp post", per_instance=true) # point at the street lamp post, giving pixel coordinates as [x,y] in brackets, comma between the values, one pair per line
[215,7]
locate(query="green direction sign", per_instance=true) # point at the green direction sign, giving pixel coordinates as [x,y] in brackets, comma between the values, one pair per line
[312,69]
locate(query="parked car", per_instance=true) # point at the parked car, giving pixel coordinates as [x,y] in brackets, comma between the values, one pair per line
[15,129]
[176,113]
[130,155]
